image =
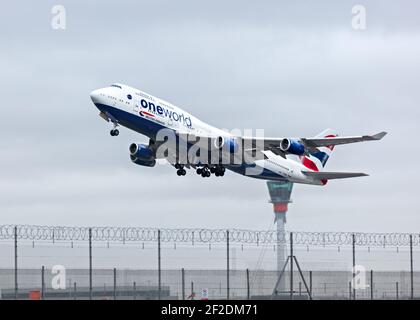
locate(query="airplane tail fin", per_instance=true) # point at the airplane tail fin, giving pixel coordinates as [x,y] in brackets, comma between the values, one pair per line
[317,160]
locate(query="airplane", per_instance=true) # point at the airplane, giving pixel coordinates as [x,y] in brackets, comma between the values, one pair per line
[297,160]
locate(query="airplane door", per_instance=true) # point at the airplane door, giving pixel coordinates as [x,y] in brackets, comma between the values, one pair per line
[170,122]
[136,104]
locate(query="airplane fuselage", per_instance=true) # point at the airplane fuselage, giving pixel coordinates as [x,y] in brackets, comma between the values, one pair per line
[148,115]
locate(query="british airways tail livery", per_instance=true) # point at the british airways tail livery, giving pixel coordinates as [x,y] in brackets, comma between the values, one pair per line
[188,143]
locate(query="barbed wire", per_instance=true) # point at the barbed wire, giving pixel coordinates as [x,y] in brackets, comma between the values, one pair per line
[139,234]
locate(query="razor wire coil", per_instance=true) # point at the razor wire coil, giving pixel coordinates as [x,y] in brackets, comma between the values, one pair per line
[256,237]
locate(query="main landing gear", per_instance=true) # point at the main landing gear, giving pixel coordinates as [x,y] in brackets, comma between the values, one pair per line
[206,171]
[180,170]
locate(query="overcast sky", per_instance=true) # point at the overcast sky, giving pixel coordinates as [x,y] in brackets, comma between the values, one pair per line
[292,68]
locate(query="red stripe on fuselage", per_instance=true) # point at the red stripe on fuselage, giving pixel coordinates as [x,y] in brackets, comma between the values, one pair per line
[147,113]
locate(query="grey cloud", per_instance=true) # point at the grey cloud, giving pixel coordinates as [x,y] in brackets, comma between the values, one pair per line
[292,69]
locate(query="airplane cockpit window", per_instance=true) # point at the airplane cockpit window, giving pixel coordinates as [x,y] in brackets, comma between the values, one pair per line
[116,86]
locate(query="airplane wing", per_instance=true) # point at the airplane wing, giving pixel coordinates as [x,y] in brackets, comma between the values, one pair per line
[273,144]
[333,175]
[323,142]
[259,144]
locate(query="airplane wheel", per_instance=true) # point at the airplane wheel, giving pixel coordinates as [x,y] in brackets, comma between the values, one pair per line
[177,166]
[223,169]
[212,169]
[183,172]
[217,173]
[208,174]
[179,172]
[199,171]
[112,133]
[203,174]
[222,173]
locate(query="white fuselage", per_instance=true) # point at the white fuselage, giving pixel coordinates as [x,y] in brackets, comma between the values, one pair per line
[147,114]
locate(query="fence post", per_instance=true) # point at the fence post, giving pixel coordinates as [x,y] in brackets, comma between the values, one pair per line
[396,290]
[371,284]
[247,284]
[134,291]
[42,282]
[16,263]
[310,283]
[192,290]
[350,291]
[90,263]
[183,283]
[227,265]
[354,264]
[159,270]
[115,283]
[291,265]
[411,268]
[74,291]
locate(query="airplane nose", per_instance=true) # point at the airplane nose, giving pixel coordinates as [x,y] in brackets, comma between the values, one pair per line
[94,95]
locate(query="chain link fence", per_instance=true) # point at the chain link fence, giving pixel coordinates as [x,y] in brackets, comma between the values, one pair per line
[51,262]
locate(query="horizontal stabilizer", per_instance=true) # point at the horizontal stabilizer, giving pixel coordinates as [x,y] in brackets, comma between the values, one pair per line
[333,175]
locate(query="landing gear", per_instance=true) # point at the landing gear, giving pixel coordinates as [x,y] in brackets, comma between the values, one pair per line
[219,171]
[114,132]
[180,169]
[219,174]
[206,171]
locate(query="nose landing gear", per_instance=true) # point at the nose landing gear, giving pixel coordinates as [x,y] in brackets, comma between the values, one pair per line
[114,132]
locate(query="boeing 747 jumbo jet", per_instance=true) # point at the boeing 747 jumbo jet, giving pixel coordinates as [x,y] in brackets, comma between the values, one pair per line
[188,143]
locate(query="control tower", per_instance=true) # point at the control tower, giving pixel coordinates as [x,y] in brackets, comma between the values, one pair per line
[280,193]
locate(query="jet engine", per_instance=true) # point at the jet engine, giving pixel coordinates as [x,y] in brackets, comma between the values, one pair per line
[142,155]
[292,147]
[226,144]
[146,163]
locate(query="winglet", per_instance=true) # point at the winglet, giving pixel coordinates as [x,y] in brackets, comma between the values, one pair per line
[379,135]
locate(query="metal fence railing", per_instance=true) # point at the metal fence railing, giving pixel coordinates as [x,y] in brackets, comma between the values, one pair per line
[189,284]
[328,278]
